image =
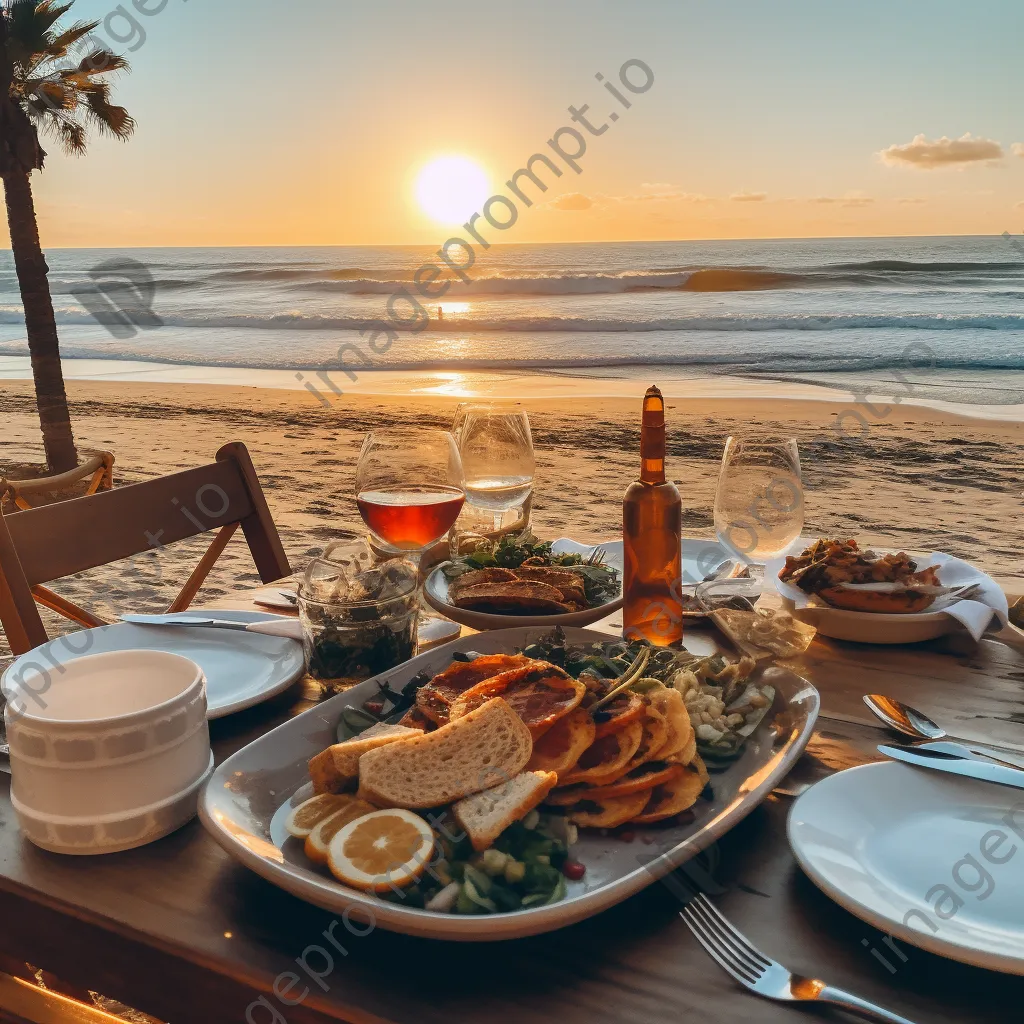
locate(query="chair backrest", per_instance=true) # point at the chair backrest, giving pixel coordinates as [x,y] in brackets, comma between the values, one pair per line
[43,544]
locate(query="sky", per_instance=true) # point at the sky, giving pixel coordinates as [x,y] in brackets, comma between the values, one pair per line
[308,122]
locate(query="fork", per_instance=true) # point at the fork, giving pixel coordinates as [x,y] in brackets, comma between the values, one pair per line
[762,975]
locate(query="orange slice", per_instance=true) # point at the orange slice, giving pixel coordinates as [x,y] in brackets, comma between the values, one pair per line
[381,850]
[304,818]
[320,838]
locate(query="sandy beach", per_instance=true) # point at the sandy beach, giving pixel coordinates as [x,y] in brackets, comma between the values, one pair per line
[903,475]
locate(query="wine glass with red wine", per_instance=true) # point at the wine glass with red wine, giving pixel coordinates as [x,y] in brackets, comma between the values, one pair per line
[409,487]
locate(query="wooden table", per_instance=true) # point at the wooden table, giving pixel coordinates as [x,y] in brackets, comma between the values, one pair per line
[181,931]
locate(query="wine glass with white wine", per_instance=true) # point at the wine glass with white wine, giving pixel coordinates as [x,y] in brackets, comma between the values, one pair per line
[496,446]
[759,505]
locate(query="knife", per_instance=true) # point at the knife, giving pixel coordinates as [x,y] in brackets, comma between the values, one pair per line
[972,753]
[290,628]
[955,765]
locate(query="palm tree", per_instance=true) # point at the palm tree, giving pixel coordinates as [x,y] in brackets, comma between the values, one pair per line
[40,90]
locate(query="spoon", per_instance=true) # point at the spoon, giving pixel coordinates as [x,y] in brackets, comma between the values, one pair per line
[903,718]
[911,722]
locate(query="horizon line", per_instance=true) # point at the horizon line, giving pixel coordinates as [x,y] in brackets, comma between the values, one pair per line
[507,245]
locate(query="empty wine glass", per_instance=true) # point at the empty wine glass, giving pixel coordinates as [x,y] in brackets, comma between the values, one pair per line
[496,446]
[759,505]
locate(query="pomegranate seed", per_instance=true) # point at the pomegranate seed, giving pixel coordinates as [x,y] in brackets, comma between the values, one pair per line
[627,837]
[375,707]
[574,870]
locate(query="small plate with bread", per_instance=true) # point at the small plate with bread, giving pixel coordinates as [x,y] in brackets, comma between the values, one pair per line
[849,592]
[509,783]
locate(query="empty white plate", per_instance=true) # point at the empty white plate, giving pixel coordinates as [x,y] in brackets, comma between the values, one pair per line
[932,860]
[242,669]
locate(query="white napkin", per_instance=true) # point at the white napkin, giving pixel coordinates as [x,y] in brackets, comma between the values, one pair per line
[975,615]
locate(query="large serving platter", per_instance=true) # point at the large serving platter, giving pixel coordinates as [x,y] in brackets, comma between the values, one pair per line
[247,799]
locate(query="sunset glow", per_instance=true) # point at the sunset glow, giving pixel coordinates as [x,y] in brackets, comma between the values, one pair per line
[451,188]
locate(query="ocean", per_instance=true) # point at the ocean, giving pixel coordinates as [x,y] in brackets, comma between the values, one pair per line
[944,316]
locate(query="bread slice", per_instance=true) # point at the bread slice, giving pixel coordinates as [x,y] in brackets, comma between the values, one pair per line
[487,746]
[336,768]
[484,816]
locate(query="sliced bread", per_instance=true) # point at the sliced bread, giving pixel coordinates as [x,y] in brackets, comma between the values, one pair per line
[486,815]
[488,746]
[336,768]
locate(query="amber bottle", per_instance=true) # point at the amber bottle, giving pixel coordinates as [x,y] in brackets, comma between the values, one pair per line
[651,539]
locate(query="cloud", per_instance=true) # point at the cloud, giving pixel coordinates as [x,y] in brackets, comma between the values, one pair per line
[572,201]
[749,197]
[659,192]
[849,199]
[929,155]
[1018,149]
[911,200]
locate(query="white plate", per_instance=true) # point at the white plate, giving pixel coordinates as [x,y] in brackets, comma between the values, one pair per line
[700,557]
[245,804]
[881,839]
[242,669]
[874,627]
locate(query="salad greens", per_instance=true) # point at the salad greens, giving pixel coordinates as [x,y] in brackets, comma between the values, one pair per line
[523,869]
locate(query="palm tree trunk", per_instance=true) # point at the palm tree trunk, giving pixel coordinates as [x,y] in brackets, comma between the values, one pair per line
[51,399]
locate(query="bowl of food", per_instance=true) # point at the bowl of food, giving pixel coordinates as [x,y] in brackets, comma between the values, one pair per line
[522,581]
[884,597]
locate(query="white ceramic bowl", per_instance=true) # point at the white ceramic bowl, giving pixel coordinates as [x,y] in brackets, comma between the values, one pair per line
[107,751]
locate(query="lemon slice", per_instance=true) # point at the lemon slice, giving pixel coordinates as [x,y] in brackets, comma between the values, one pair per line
[381,850]
[319,839]
[304,818]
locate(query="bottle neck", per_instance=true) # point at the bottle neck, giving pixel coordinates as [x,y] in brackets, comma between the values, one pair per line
[652,439]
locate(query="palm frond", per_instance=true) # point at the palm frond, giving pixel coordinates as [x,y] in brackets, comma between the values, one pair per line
[99,62]
[61,43]
[67,131]
[54,96]
[108,116]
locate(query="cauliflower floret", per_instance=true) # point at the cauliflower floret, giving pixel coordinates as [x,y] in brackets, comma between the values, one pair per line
[685,682]
[708,733]
[701,704]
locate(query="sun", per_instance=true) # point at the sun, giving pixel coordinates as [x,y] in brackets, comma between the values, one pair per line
[450,189]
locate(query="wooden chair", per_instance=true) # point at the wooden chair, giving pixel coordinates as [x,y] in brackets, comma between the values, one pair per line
[48,543]
[99,469]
